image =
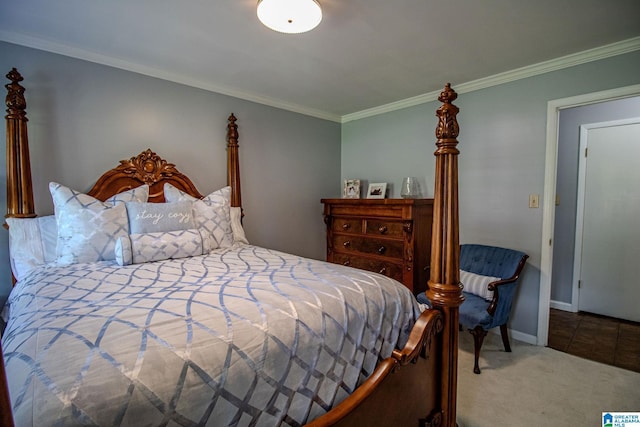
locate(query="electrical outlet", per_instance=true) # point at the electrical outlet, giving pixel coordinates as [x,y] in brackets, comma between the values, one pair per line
[534,201]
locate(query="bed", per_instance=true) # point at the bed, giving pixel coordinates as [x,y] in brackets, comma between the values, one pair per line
[154,309]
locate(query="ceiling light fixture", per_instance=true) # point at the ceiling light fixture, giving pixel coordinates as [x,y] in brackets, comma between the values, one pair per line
[290,16]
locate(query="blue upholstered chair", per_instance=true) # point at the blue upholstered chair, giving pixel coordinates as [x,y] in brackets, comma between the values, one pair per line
[489,275]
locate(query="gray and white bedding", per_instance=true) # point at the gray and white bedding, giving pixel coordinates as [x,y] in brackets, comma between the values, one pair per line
[242,336]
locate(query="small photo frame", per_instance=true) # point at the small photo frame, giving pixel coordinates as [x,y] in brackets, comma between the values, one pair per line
[377,190]
[351,189]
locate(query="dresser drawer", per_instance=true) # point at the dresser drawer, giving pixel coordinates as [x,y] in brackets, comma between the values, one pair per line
[377,266]
[385,228]
[347,225]
[369,245]
[392,236]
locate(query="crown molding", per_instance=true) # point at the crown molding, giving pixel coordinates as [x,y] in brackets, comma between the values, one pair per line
[595,54]
[602,52]
[77,53]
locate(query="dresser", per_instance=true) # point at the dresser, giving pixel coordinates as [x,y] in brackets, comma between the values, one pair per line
[388,236]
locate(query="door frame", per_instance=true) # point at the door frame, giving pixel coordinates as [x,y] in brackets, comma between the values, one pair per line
[582,172]
[549,194]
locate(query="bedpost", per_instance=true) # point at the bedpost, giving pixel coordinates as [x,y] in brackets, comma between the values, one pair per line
[444,290]
[19,187]
[233,162]
[19,193]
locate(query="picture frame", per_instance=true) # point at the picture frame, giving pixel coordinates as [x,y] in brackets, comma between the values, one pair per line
[377,190]
[351,189]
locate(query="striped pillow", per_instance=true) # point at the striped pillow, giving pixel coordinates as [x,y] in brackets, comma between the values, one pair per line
[477,284]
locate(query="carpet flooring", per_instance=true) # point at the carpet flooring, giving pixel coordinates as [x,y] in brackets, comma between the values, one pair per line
[536,386]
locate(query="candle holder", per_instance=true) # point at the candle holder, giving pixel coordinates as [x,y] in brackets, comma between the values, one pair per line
[409,189]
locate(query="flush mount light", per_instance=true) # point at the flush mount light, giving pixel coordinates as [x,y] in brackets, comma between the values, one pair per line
[290,16]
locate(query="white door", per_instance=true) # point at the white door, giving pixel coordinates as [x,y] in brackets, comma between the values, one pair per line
[608,220]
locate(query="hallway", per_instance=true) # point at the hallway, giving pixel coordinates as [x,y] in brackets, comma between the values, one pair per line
[600,338]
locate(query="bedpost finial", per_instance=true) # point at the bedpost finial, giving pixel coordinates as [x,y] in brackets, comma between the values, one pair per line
[232,130]
[16,104]
[14,75]
[447,128]
[448,94]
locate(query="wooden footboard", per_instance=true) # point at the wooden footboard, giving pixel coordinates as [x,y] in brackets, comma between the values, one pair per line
[403,390]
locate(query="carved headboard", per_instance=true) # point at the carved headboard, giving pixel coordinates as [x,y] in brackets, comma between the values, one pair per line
[145,168]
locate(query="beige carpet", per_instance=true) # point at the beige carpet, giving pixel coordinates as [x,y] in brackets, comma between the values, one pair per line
[538,386]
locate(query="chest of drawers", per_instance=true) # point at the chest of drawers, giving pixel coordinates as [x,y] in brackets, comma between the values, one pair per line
[388,236]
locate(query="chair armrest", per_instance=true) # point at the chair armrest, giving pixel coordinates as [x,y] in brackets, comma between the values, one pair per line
[495,286]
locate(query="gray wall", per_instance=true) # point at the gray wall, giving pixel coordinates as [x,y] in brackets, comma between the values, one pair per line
[85,117]
[567,184]
[502,161]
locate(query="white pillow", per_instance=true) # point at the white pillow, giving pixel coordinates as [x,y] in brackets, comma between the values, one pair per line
[212,214]
[32,243]
[477,284]
[149,247]
[49,235]
[25,245]
[87,227]
[236,226]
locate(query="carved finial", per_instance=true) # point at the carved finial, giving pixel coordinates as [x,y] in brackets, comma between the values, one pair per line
[447,95]
[15,101]
[147,167]
[14,75]
[232,130]
[447,123]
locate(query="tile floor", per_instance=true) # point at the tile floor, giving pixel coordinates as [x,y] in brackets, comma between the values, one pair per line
[600,338]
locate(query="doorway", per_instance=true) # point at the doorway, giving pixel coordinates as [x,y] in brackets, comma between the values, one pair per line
[607,240]
[549,243]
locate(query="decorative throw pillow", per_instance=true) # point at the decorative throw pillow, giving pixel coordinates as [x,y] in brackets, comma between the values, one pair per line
[156,217]
[87,227]
[148,247]
[477,284]
[211,214]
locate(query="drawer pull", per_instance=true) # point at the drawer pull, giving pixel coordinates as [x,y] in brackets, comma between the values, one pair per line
[382,229]
[383,270]
[346,226]
[382,250]
[346,244]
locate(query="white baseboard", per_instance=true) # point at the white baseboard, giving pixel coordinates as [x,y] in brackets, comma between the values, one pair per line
[564,306]
[517,335]
[532,339]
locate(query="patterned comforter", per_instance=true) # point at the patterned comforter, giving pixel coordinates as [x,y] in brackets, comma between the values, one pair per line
[243,336]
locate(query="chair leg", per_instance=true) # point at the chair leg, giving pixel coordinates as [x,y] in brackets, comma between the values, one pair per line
[505,338]
[478,337]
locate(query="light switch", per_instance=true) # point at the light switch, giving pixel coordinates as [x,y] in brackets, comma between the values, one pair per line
[533,200]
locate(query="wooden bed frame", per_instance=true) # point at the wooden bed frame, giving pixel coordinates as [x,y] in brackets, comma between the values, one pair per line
[417,385]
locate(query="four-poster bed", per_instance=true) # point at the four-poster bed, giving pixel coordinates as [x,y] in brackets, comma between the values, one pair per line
[412,375]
